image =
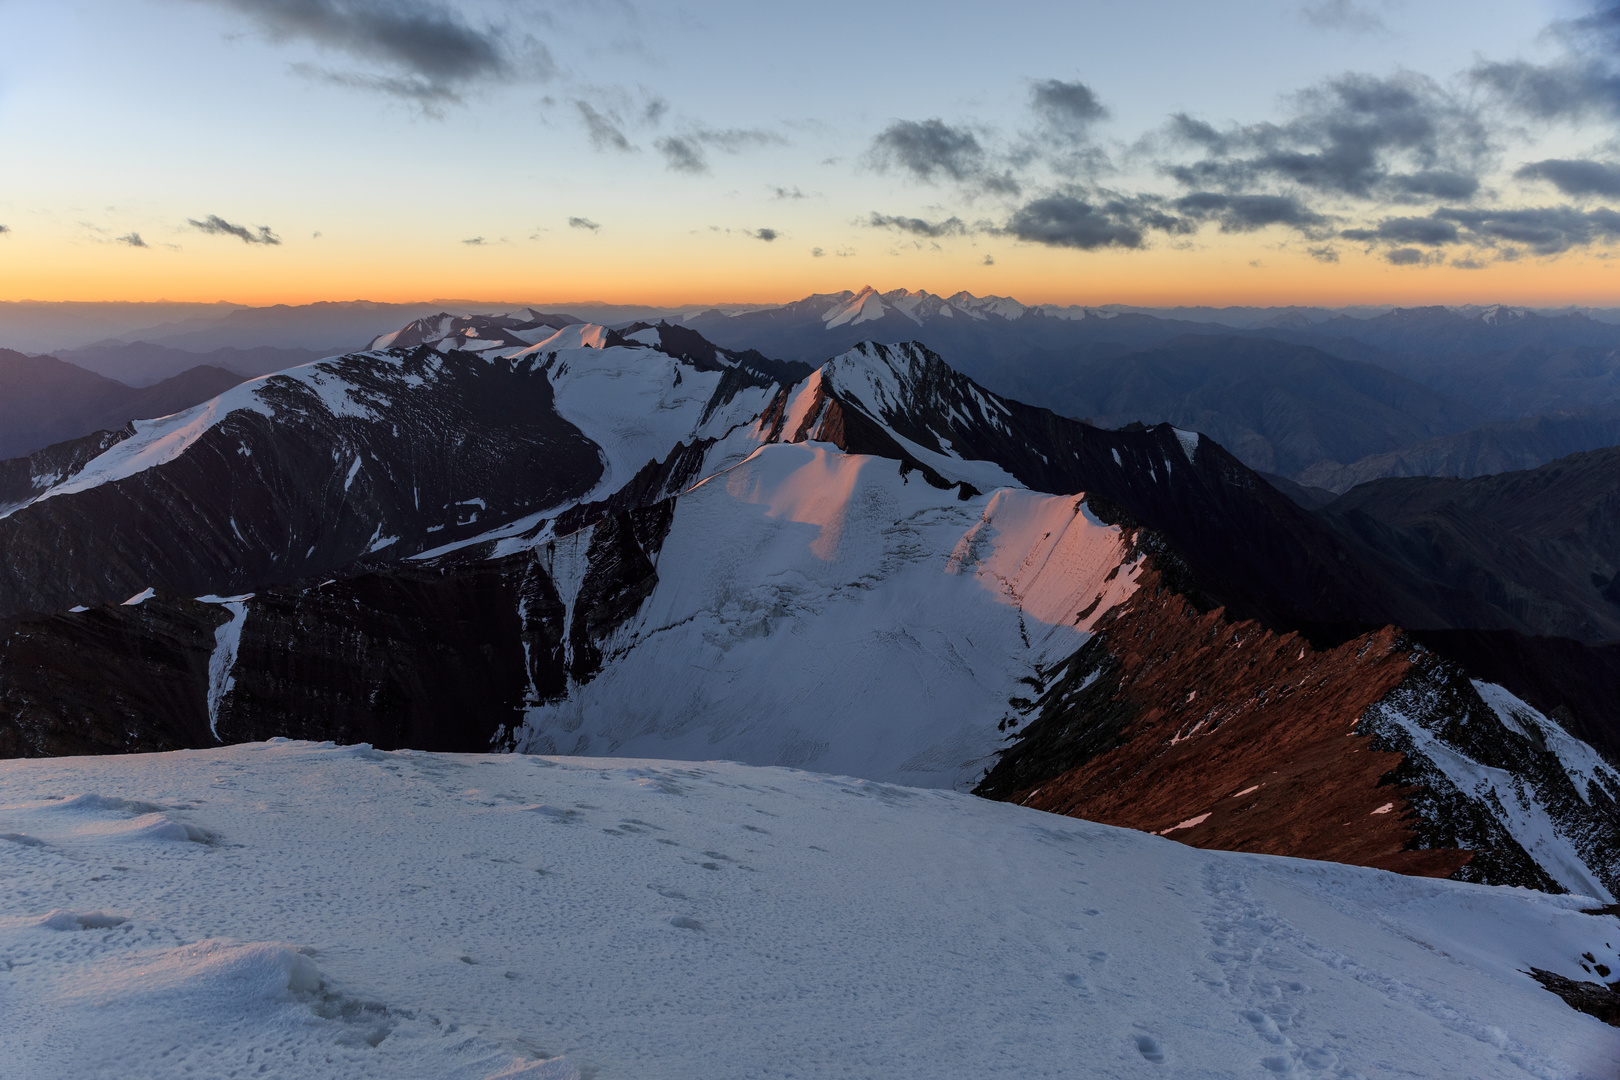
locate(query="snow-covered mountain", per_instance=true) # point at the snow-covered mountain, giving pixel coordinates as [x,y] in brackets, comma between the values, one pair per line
[375,454]
[634,542]
[475,333]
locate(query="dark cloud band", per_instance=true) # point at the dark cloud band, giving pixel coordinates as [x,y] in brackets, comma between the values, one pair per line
[218,226]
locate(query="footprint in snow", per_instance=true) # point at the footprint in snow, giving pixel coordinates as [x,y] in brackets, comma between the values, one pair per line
[1150,1048]
[685,923]
[1322,1058]
[1264,1026]
[554,813]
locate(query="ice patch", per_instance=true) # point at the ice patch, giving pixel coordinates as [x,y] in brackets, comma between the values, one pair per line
[141,597]
[222,662]
[1189,445]
[1189,823]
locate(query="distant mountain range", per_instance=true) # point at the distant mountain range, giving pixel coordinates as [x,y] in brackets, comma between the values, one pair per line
[1325,398]
[44,400]
[140,363]
[505,533]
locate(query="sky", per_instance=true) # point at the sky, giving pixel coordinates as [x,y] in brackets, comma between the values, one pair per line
[1160,152]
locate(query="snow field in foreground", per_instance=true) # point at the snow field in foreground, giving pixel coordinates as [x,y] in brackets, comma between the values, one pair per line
[301,910]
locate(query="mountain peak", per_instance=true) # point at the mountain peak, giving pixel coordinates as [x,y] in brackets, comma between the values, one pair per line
[864,306]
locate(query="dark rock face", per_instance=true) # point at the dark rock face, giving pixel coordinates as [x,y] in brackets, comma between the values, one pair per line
[418,449]
[426,658]
[431,656]
[112,680]
[619,575]
[1601,1000]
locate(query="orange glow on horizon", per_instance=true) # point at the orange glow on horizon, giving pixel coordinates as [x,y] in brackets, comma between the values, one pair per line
[677,275]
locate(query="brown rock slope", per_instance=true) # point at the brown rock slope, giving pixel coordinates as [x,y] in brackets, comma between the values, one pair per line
[1222,735]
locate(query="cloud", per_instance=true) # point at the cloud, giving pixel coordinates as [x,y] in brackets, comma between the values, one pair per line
[682,155]
[787,193]
[603,128]
[952,226]
[1583,82]
[428,43]
[766,235]
[1396,162]
[1571,89]
[217,225]
[583,223]
[1246,213]
[1342,15]
[816,253]
[1436,183]
[989,260]
[735,140]
[1429,231]
[1399,138]
[928,149]
[1067,220]
[1544,230]
[1509,232]
[5,230]
[686,152]
[1068,108]
[1574,178]
[428,95]
[476,241]
[132,239]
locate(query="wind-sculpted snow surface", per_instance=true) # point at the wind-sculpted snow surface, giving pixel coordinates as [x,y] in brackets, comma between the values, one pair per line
[292,909]
[842,615]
